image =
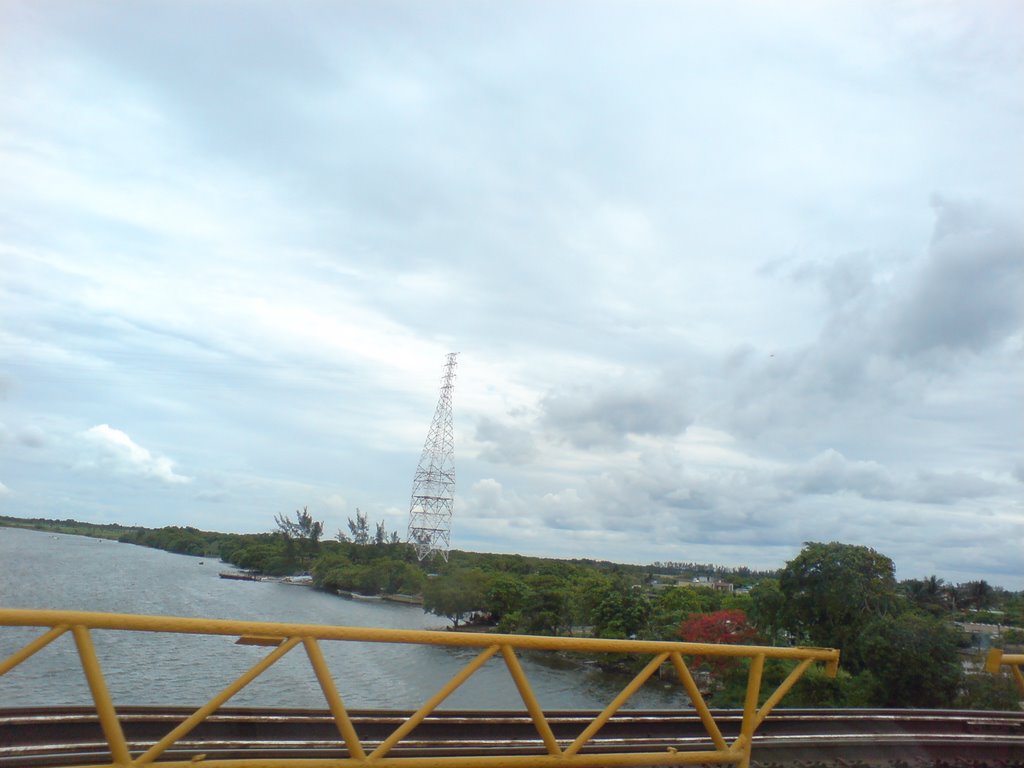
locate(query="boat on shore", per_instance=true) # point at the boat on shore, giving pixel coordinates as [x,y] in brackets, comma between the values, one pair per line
[398,598]
[404,599]
[306,580]
[365,598]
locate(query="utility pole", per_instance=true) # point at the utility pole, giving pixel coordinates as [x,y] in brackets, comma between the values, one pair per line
[433,485]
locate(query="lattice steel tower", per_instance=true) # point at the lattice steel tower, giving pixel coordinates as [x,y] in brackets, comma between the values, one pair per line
[433,486]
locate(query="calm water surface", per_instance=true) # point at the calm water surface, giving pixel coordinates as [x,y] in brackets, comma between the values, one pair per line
[44,570]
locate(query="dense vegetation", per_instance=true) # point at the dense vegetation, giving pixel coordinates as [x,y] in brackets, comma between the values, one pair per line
[899,641]
[69,526]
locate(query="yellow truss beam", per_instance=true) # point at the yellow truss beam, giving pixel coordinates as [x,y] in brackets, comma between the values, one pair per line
[996,660]
[352,752]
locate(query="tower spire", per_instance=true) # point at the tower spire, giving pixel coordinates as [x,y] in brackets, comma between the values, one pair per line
[433,485]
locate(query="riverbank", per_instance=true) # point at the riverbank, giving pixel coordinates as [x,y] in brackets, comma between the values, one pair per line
[70,527]
[307,581]
[76,573]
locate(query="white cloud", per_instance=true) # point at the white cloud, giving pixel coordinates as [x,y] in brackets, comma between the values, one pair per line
[117,449]
[212,496]
[606,414]
[703,306]
[502,443]
[830,472]
[335,502]
[32,437]
[4,490]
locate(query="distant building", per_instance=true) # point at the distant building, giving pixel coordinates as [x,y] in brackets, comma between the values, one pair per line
[708,582]
[981,635]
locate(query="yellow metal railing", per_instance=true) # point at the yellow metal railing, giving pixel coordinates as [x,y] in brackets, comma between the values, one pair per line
[996,660]
[284,637]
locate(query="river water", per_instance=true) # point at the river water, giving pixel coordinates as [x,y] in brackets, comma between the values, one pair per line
[54,571]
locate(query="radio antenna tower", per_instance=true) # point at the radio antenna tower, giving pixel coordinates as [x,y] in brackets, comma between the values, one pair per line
[433,486]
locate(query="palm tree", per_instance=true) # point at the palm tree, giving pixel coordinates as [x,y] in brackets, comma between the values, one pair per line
[950,594]
[933,588]
[977,594]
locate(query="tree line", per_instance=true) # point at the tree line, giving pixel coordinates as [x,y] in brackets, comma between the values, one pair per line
[899,645]
[898,641]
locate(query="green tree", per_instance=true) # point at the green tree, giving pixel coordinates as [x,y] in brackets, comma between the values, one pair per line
[1012,636]
[1013,606]
[506,594]
[975,594]
[303,527]
[832,590]
[548,605]
[817,689]
[382,537]
[359,528]
[928,594]
[737,602]
[990,692]
[914,659]
[711,600]
[586,591]
[456,594]
[359,534]
[263,557]
[301,536]
[328,569]
[623,612]
[767,609]
[403,578]
[672,606]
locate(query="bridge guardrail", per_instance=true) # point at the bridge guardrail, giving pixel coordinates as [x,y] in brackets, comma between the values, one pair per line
[283,638]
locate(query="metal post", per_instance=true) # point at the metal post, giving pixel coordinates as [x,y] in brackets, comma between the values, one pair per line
[101,696]
[745,741]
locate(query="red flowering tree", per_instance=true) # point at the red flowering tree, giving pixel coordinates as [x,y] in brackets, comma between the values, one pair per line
[725,627]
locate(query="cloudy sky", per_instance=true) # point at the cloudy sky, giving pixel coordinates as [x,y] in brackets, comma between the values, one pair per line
[723,278]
